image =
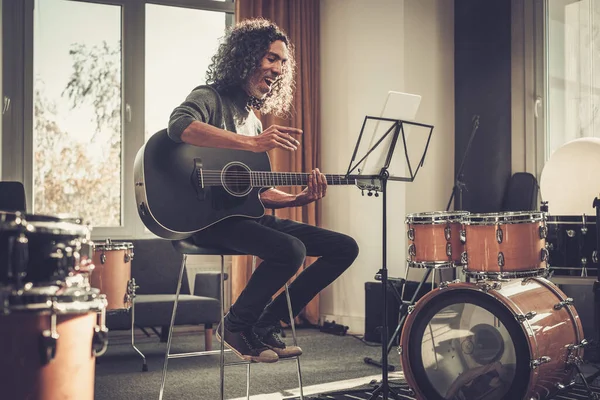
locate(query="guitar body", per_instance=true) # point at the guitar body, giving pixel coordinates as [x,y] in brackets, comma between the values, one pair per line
[171,199]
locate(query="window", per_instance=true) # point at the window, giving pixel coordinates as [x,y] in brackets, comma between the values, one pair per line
[572,71]
[88,83]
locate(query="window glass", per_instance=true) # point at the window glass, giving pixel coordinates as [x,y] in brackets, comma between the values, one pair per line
[77,130]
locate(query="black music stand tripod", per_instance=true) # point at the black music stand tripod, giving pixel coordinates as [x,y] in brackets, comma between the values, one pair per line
[378,183]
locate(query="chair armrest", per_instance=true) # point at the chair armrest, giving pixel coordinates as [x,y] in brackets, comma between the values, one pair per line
[207,284]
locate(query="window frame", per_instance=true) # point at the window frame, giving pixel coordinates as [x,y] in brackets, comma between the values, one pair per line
[17,85]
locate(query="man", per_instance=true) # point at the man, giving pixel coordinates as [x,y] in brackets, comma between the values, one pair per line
[253,69]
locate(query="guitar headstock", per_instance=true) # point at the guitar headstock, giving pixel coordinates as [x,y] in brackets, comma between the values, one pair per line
[370,185]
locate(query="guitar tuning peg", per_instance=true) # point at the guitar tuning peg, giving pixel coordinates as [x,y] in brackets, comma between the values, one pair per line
[376,194]
[370,193]
[362,192]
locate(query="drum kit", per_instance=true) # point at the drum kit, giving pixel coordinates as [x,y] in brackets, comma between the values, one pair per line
[53,304]
[506,332]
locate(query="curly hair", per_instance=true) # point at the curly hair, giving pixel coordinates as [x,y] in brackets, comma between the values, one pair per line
[241,53]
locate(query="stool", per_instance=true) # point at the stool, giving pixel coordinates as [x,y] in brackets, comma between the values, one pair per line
[187,247]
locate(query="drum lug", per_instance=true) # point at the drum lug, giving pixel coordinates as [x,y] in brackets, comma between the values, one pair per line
[99,341]
[48,342]
[411,234]
[448,232]
[449,249]
[48,346]
[410,309]
[544,254]
[486,287]
[464,258]
[570,233]
[542,360]
[566,302]
[499,235]
[524,317]
[500,259]
[560,386]
[595,256]
[581,345]
[102,258]
[412,250]
[543,231]
[463,236]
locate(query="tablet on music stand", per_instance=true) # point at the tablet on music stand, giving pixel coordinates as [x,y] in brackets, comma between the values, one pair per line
[379,137]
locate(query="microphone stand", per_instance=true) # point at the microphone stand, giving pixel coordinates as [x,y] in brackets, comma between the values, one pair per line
[458,183]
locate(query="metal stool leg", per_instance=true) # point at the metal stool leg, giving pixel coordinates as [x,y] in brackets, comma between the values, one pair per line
[168,352]
[222,329]
[293,325]
[145,364]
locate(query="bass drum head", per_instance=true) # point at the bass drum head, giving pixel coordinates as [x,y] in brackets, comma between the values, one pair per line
[464,344]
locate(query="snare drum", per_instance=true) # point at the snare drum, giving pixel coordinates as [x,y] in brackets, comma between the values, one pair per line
[505,245]
[49,339]
[434,239]
[41,249]
[572,244]
[112,273]
[491,340]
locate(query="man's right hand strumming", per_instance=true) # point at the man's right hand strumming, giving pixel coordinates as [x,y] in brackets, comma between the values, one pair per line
[274,137]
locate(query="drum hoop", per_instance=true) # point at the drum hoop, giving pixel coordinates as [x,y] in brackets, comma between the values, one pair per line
[413,352]
[504,218]
[61,308]
[435,217]
[500,276]
[40,223]
[433,264]
[578,221]
[113,246]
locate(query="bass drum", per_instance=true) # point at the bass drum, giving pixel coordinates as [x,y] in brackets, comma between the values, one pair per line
[510,340]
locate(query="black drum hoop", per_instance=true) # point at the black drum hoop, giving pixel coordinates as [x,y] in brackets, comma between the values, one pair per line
[519,385]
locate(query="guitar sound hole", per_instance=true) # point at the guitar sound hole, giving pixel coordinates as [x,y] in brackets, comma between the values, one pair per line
[236,179]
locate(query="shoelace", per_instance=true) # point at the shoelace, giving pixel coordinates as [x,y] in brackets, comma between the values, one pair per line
[275,334]
[253,342]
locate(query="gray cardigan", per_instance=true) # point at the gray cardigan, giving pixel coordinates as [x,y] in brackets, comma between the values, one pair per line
[227,110]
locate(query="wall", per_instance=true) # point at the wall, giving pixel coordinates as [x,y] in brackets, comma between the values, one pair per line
[1,89]
[365,52]
[483,87]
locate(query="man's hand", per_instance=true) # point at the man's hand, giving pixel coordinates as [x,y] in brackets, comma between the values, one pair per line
[316,189]
[276,136]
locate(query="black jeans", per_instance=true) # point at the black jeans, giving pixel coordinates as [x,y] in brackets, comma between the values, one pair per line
[282,245]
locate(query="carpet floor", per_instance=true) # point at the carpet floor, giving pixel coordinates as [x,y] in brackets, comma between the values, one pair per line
[327,358]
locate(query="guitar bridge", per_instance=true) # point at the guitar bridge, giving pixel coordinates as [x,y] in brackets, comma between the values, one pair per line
[197,179]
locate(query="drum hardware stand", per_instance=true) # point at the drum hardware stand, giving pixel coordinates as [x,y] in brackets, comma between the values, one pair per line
[130,298]
[402,312]
[396,129]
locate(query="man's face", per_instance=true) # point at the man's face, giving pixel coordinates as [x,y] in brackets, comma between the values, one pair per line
[271,67]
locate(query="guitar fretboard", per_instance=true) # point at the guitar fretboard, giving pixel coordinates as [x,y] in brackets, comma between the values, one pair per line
[266,179]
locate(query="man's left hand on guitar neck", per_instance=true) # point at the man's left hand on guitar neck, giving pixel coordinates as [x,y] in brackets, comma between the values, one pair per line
[316,189]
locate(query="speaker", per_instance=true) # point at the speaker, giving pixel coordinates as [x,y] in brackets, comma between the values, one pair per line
[374,306]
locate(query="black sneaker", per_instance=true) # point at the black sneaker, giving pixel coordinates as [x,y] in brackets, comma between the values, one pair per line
[271,337]
[246,345]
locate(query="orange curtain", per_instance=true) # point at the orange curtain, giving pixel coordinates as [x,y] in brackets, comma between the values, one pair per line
[300,20]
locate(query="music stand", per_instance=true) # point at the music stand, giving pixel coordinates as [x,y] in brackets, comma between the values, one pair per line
[383,177]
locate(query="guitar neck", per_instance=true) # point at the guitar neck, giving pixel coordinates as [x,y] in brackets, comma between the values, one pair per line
[268,179]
